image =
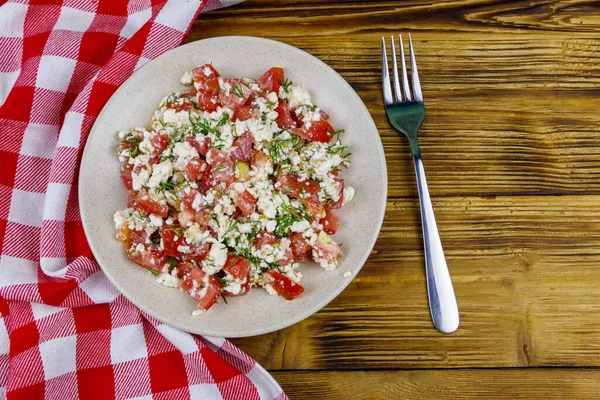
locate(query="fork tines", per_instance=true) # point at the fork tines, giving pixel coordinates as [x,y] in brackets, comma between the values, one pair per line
[405,95]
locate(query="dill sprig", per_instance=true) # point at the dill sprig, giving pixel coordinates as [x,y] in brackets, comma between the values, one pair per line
[237,90]
[168,185]
[287,217]
[202,125]
[286,84]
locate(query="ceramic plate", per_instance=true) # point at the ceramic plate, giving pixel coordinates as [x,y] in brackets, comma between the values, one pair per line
[101,192]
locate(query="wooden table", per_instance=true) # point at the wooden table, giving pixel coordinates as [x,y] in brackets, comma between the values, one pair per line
[511,145]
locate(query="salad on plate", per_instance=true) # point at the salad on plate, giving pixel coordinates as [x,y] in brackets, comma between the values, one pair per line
[233,186]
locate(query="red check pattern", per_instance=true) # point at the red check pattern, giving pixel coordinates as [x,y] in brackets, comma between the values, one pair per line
[66,333]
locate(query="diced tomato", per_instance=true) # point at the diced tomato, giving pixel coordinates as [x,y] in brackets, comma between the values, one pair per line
[299,188]
[183,268]
[317,131]
[201,145]
[147,257]
[154,160]
[207,179]
[126,176]
[194,168]
[172,239]
[300,246]
[330,223]
[180,106]
[260,159]
[237,267]
[271,80]
[207,102]
[242,113]
[144,202]
[264,239]
[222,167]
[284,286]
[243,147]
[199,253]
[205,289]
[237,96]
[160,142]
[247,203]
[187,196]
[284,118]
[206,79]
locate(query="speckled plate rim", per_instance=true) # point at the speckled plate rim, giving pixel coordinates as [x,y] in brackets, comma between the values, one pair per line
[377,213]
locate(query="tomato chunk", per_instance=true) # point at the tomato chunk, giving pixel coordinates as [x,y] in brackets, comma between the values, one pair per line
[271,80]
[208,181]
[237,267]
[126,176]
[284,118]
[243,147]
[201,145]
[300,247]
[207,102]
[204,288]
[247,203]
[206,79]
[187,196]
[284,286]
[147,257]
[294,186]
[195,168]
[237,96]
[222,167]
[264,239]
[242,113]
[198,253]
[316,131]
[330,223]
[144,202]
[172,236]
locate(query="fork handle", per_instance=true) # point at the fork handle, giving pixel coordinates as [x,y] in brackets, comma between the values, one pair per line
[442,301]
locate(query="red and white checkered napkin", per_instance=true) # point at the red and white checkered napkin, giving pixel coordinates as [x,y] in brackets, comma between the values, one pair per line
[66,332]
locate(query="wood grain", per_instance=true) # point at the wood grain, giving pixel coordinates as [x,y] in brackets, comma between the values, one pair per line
[540,384]
[511,145]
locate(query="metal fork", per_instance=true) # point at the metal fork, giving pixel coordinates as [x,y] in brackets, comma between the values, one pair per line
[406,115]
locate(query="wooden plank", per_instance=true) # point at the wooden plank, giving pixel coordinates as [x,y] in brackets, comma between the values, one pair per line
[511,89]
[525,271]
[442,384]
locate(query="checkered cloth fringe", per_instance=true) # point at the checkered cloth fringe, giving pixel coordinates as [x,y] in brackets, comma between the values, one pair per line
[66,333]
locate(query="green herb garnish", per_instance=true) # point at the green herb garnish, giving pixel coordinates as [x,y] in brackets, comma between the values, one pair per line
[237,90]
[164,186]
[286,84]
